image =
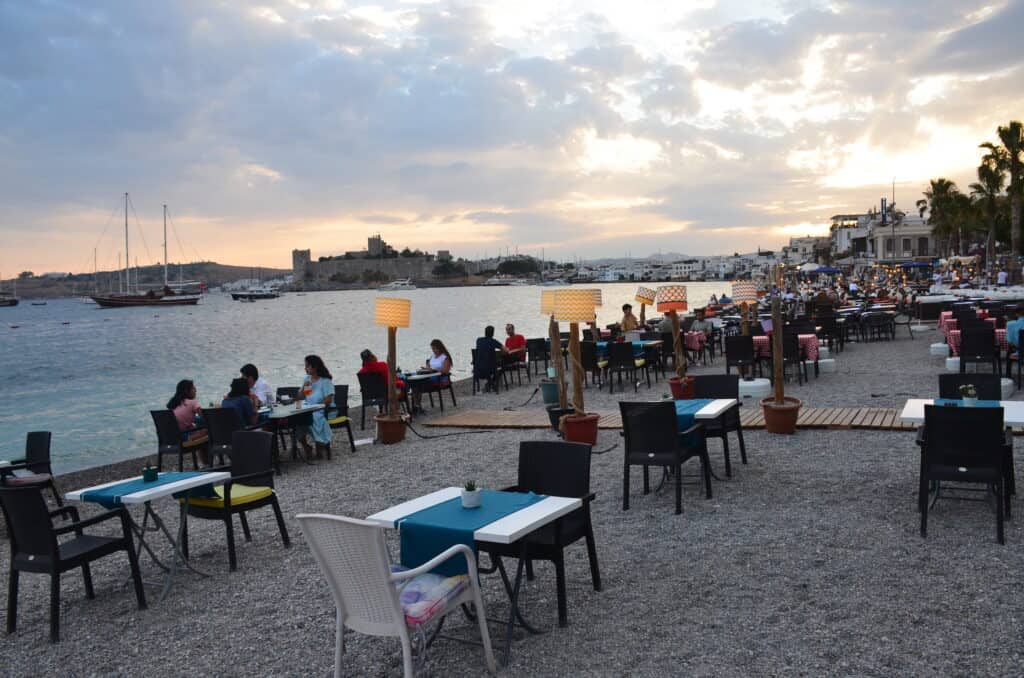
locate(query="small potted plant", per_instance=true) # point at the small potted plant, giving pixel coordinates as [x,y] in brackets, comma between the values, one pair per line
[470,495]
[149,473]
[969,395]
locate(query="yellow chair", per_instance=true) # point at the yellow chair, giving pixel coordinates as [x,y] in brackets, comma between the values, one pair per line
[337,416]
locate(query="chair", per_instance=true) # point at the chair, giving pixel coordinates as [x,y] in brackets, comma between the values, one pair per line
[652,438]
[1014,355]
[831,333]
[963,445]
[791,355]
[987,385]
[563,470]
[903,318]
[36,462]
[536,352]
[430,387]
[722,386]
[668,351]
[593,368]
[652,355]
[621,359]
[221,424]
[488,368]
[739,353]
[375,597]
[374,392]
[337,416]
[168,440]
[251,486]
[34,548]
[979,346]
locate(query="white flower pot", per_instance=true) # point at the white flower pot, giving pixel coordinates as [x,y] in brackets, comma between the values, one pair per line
[470,499]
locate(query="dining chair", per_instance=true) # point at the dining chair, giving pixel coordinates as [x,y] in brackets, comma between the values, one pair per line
[169,441]
[337,416]
[722,386]
[36,463]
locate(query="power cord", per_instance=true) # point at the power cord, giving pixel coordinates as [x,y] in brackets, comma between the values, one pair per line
[515,407]
[443,435]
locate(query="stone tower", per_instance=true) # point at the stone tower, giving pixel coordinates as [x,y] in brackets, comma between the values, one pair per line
[300,264]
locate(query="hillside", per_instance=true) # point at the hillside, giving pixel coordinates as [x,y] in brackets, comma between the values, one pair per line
[209,272]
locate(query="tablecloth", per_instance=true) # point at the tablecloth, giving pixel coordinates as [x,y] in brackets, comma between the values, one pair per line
[110,496]
[808,346]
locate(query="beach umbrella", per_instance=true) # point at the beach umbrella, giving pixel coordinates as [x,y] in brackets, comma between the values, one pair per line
[671,299]
[808,267]
[645,297]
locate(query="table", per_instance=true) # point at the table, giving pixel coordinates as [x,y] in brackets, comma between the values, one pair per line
[508,530]
[913,411]
[953,339]
[146,497]
[283,415]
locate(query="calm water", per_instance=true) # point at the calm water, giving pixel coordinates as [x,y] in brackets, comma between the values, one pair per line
[91,375]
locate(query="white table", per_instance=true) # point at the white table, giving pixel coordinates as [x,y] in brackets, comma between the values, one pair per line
[913,411]
[507,530]
[715,408]
[146,497]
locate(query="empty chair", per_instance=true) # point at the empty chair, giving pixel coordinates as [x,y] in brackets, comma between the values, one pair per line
[251,486]
[621,359]
[36,463]
[792,355]
[739,353]
[337,416]
[375,597]
[979,346]
[987,385]
[35,548]
[168,437]
[722,386]
[563,470]
[668,351]
[652,438]
[537,352]
[963,445]
[593,367]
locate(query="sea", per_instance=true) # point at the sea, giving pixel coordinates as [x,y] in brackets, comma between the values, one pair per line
[91,375]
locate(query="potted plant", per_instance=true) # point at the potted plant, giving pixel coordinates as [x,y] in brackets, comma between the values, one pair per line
[969,394]
[470,495]
[576,306]
[780,411]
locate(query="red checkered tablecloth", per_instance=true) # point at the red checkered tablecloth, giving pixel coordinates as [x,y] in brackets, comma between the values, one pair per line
[695,340]
[953,339]
[949,324]
[808,346]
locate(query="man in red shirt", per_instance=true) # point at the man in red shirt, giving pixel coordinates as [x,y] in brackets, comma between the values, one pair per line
[515,344]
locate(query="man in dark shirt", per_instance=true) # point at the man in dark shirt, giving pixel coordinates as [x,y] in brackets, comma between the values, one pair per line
[486,364]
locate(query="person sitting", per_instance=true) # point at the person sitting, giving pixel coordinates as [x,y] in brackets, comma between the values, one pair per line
[371,364]
[317,389]
[238,399]
[700,324]
[629,321]
[259,389]
[1014,325]
[665,325]
[486,364]
[515,345]
[713,301]
[187,411]
[439,361]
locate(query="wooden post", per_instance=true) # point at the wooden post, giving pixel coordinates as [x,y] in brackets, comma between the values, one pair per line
[643,317]
[744,324]
[577,371]
[777,359]
[556,358]
[392,403]
[677,345]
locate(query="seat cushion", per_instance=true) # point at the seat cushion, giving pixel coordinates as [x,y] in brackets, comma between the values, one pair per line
[602,364]
[639,362]
[337,421]
[195,443]
[240,494]
[32,479]
[427,595]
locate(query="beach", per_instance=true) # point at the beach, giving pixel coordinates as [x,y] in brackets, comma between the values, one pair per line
[807,562]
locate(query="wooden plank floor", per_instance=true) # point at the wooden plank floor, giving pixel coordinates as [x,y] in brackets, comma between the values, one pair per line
[831,418]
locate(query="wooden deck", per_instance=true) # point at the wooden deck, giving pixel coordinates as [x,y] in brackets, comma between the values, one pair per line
[832,418]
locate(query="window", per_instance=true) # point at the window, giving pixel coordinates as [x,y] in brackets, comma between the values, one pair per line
[906,246]
[922,247]
[889,244]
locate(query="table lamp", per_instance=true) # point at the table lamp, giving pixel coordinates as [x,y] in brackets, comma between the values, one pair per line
[574,307]
[671,299]
[645,297]
[392,313]
[744,292]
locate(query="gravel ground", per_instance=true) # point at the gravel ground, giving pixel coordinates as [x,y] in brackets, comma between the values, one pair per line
[807,562]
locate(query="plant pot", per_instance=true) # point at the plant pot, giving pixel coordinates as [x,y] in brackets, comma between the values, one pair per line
[470,499]
[970,402]
[580,428]
[390,429]
[555,414]
[781,418]
[549,391]
[682,387]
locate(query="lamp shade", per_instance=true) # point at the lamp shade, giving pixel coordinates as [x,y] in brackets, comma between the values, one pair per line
[574,306]
[391,312]
[645,295]
[671,298]
[596,294]
[744,291]
[547,302]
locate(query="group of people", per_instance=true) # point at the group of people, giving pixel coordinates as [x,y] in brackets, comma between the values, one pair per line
[491,353]
[438,363]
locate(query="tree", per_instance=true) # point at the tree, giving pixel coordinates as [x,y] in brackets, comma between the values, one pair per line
[448,269]
[939,202]
[26,274]
[523,266]
[986,191]
[1010,156]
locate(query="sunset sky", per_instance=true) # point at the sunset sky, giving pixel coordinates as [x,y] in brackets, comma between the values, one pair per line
[586,128]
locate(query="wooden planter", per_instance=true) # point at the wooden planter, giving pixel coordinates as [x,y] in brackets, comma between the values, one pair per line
[781,418]
[581,428]
[682,387]
[390,429]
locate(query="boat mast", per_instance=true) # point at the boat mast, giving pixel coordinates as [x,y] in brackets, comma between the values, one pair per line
[119,288]
[95,271]
[127,260]
[165,245]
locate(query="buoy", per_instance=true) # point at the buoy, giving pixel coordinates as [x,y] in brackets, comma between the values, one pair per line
[66,322]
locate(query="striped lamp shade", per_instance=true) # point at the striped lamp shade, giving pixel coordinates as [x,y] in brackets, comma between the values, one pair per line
[547,302]
[671,298]
[645,295]
[574,306]
[744,291]
[391,312]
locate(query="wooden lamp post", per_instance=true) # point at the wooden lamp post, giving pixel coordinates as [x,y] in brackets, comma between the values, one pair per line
[671,299]
[547,307]
[780,412]
[575,307]
[391,313]
[645,297]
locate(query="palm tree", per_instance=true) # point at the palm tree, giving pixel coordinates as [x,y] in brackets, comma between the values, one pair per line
[940,204]
[986,191]
[1010,156]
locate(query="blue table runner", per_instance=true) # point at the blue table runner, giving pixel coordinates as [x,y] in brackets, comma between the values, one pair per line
[426,533]
[638,348]
[687,409]
[956,402]
[110,497]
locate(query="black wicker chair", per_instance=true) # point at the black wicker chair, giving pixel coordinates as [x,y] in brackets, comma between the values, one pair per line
[722,386]
[36,463]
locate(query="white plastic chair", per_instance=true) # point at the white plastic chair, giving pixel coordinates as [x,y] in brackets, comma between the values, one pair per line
[354,557]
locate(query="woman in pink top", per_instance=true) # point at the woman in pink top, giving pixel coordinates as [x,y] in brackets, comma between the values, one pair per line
[186,410]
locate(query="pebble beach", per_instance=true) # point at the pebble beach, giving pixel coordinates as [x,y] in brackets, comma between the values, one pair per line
[808,561]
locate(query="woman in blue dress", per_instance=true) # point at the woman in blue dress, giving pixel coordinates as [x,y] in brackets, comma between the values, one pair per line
[317,389]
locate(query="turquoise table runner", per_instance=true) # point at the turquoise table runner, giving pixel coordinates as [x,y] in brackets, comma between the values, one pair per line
[686,409]
[426,533]
[956,402]
[638,348]
[110,497]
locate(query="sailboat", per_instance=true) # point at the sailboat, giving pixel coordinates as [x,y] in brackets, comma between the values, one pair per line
[163,297]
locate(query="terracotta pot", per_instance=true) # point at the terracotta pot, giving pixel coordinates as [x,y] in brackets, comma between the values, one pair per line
[580,428]
[781,418]
[390,430]
[555,414]
[682,387]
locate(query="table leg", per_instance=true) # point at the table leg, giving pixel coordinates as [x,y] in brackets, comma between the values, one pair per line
[140,532]
[514,612]
[175,542]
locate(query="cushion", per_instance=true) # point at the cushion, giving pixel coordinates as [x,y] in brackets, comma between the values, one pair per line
[240,494]
[427,595]
[639,362]
[337,421]
[194,443]
[14,480]
[602,364]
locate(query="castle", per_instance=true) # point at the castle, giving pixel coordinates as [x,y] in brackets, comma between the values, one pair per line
[379,262]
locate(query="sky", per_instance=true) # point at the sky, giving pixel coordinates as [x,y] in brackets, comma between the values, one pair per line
[578,128]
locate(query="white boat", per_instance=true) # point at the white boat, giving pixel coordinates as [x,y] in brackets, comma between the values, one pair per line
[254,293]
[557,282]
[397,285]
